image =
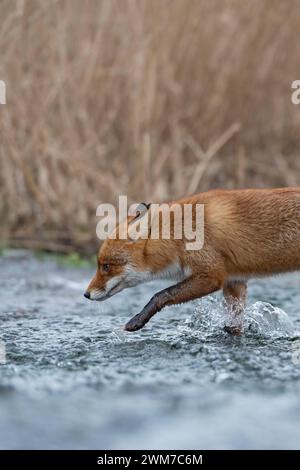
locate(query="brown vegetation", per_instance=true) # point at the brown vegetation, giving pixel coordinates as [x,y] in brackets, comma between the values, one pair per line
[150,98]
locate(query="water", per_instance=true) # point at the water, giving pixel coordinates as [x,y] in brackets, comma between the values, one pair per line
[74,379]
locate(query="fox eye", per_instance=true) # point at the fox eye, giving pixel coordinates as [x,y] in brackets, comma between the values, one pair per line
[106,267]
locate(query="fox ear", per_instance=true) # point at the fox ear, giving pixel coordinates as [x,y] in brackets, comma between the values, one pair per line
[140,210]
[146,204]
[139,223]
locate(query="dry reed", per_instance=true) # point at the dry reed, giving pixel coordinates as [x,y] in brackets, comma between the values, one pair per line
[149,98]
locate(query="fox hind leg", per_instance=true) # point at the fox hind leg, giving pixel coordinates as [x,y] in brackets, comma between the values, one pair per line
[235,298]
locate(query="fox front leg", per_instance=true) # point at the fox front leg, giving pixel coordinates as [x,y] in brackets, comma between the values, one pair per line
[189,289]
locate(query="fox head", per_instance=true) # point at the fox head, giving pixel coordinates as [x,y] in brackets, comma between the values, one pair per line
[121,262]
[127,261]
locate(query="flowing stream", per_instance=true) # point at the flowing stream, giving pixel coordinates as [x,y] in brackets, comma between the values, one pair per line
[70,377]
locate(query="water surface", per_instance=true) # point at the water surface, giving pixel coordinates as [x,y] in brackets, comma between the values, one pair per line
[74,379]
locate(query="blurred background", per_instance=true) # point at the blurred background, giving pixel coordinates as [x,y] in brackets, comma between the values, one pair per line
[150,98]
[154,99]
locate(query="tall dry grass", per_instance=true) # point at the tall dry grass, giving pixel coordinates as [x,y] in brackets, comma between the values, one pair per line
[150,98]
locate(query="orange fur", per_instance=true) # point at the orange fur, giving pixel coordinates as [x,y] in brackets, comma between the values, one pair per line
[247,233]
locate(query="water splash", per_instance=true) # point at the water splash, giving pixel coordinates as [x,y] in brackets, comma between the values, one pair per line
[208,319]
[261,319]
[264,319]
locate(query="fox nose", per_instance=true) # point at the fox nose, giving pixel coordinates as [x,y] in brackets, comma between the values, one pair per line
[87,294]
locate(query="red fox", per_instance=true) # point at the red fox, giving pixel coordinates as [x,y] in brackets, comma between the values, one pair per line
[247,233]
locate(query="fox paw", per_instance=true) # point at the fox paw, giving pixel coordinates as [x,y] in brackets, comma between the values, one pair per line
[234,330]
[135,324]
